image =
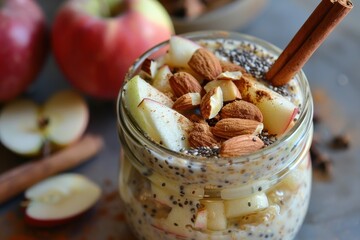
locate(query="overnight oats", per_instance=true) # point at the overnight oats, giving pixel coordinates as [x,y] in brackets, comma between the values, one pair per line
[209,149]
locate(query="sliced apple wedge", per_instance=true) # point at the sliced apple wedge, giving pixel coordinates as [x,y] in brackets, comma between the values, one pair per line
[19,129]
[278,111]
[25,126]
[180,51]
[60,199]
[161,80]
[201,219]
[164,125]
[228,88]
[67,115]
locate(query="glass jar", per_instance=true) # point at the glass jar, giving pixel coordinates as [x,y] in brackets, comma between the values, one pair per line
[169,195]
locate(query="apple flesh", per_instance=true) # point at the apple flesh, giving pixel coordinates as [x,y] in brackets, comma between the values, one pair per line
[23,42]
[180,51]
[164,125]
[60,199]
[242,206]
[111,40]
[25,126]
[278,112]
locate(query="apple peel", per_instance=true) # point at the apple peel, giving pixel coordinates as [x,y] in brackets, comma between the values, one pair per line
[59,199]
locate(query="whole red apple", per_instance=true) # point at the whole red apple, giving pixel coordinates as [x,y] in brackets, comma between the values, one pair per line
[22,45]
[96,41]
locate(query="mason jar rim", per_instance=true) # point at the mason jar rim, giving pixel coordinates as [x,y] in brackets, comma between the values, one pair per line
[304,118]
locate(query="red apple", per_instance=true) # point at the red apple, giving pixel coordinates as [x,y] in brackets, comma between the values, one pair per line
[95,42]
[22,45]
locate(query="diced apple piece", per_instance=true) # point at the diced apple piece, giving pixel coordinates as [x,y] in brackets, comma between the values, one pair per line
[59,199]
[161,195]
[230,75]
[216,219]
[278,111]
[164,125]
[161,80]
[242,206]
[180,51]
[228,88]
[19,129]
[67,115]
[201,219]
[176,223]
[135,90]
[265,216]
[245,190]
[292,181]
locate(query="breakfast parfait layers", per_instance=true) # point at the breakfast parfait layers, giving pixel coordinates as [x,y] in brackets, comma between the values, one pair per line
[210,149]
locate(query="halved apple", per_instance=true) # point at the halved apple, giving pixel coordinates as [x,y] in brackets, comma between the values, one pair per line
[60,199]
[180,51]
[277,110]
[164,125]
[25,126]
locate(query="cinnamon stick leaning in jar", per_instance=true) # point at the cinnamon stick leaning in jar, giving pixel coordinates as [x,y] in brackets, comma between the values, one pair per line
[315,30]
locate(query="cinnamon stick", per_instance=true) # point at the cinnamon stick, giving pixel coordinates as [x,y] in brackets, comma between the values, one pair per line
[24,176]
[327,15]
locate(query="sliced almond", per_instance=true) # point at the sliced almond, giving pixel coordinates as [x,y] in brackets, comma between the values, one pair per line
[211,103]
[182,83]
[241,109]
[149,67]
[205,63]
[229,89]
[231,67]
[231,127]
[230,75]
[240,145]
[187,101]
[201,136]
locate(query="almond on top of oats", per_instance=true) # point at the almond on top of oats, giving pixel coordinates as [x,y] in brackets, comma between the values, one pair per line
[231,127]
[240,145]
[183,82]
[241,109]
[205,63]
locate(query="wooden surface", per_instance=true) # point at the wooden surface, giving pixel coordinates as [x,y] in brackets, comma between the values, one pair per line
[334,74]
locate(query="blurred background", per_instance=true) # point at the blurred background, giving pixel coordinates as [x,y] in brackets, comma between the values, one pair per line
[334,211]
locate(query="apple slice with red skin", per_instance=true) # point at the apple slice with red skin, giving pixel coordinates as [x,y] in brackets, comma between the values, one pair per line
[60,199]
[277,110]
[164,125]
[180,51]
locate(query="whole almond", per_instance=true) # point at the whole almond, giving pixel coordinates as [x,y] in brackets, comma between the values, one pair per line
[187,101]
[211,103]
[183,82]
[149,67]
[241,109]
[205,63]
[201,136]
[231,127]
[240,145]
[231,67]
